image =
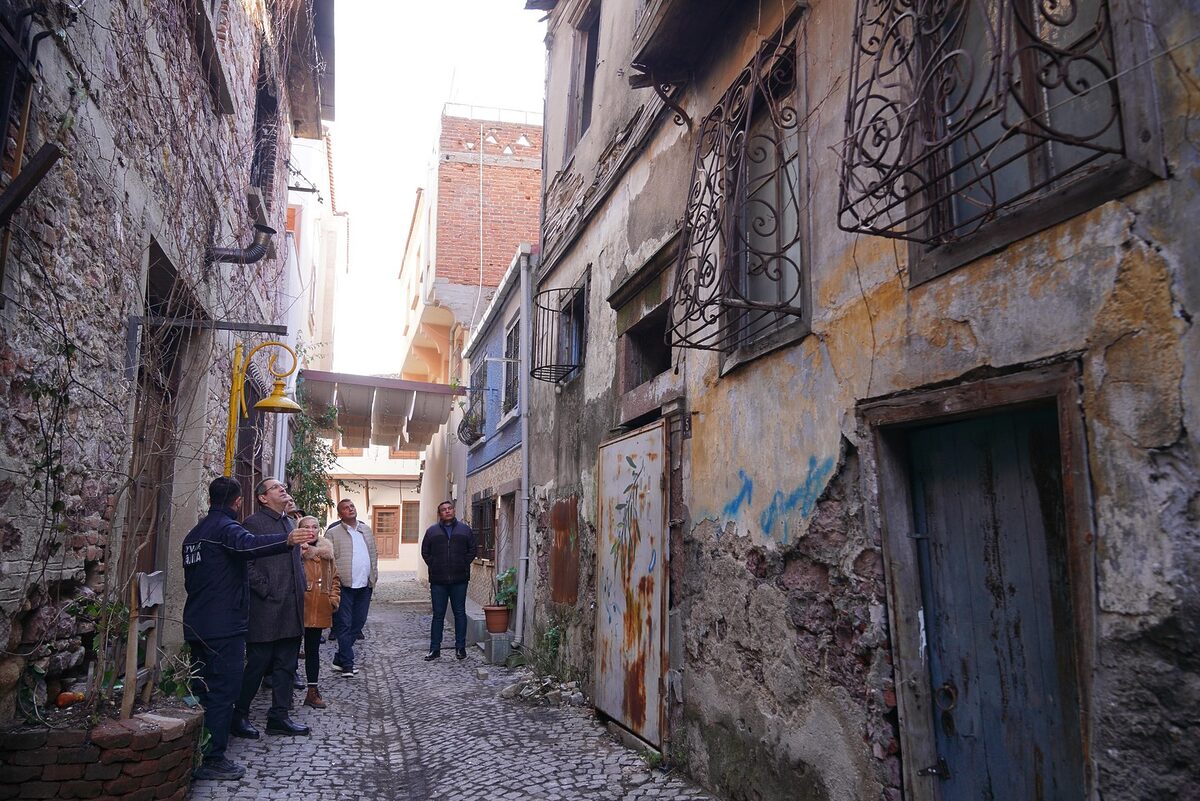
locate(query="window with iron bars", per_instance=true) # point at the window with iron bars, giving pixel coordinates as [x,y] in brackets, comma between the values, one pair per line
[266,135]
[512,365]
[470,429]
[559,332]
[483,523]
[963,113]
[740,281]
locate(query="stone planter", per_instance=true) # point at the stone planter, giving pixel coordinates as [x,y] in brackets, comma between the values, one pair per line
[148,756]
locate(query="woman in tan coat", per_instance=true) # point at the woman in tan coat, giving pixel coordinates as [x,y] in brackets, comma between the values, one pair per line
[321,598]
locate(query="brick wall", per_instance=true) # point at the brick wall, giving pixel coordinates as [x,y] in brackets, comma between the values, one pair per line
[511,197]
[146,757]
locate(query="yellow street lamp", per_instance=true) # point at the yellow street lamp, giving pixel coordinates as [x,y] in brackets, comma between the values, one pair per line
[275,403]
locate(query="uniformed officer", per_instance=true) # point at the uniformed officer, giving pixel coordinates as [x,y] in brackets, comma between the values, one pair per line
[215,614]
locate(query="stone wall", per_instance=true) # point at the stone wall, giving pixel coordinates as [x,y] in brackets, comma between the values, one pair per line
[151,176]
[149,756]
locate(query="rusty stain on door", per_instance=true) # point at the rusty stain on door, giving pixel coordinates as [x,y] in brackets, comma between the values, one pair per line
[564,552]
[631,581]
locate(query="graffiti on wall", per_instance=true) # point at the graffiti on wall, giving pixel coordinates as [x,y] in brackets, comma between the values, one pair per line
[775,520]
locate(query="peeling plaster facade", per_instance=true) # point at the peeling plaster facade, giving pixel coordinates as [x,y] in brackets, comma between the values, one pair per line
[157,146]
[783,636]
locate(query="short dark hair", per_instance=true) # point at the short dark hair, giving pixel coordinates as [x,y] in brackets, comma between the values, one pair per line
[261,487]
[223,491]
[446,503]
[344,500]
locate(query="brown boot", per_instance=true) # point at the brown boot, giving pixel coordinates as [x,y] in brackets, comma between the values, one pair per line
[314,698]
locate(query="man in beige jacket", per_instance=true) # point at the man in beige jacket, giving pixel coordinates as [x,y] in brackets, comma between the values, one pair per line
[358,566]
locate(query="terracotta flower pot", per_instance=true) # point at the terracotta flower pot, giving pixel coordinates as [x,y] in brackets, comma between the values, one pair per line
[496,619]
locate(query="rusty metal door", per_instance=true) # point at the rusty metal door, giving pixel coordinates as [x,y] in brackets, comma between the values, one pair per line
[631,576]
[991,536]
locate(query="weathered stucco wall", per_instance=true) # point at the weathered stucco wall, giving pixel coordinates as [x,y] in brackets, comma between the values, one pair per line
[147,166]
[782,639]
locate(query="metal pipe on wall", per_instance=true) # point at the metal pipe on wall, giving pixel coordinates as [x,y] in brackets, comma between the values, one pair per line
[523,511]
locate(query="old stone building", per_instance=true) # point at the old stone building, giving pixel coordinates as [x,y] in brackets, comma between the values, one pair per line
[863,455]
[155,137]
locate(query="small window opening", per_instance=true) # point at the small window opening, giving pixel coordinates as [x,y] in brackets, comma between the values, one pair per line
[647,348]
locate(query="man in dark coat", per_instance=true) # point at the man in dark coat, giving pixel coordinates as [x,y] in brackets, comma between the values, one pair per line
[277,587]
[215,613]
[448,548]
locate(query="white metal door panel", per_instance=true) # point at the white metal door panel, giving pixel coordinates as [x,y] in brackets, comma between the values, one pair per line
[631,580]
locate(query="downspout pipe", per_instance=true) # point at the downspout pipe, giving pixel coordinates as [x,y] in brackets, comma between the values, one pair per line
[248,255]
[526,348]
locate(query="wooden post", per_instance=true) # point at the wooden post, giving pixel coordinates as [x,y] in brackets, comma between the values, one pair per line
[151,658]
[131,640]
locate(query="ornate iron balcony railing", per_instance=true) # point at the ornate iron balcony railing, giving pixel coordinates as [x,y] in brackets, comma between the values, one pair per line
[960,111]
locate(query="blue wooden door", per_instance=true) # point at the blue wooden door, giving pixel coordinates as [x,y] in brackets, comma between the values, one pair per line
[999,631]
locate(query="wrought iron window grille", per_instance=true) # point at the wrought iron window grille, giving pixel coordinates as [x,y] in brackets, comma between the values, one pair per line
[470,428]
[740,274]
[483,523]
[512,375]
[961,111]
[559,332]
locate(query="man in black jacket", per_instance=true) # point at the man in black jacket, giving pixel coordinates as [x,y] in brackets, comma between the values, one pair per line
[214,616]
[277,587]
[448,548]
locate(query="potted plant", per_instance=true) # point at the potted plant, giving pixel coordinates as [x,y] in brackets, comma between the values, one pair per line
[496,615]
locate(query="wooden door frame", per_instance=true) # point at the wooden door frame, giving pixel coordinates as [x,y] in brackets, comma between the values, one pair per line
[883,424]
[399,525]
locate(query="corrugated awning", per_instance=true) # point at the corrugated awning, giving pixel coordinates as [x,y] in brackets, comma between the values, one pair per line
[380,411]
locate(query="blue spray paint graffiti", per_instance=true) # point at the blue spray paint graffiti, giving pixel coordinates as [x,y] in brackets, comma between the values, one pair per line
[802,499]
[745,496]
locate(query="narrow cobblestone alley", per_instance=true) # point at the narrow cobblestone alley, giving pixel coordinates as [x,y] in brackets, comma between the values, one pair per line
[411,730]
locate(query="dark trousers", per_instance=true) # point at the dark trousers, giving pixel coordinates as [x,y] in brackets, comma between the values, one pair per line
[456,595]
[348,622]
[312,655]
[219,665]
[278,659]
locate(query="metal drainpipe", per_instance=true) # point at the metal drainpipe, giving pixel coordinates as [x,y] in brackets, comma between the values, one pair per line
[249,255]
[523,550]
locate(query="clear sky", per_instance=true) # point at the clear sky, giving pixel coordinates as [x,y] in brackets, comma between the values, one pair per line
[397,63]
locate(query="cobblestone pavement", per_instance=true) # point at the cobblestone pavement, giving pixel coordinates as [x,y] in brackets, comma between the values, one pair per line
[409,730]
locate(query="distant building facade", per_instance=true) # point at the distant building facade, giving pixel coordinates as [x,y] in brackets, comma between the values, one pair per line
[485,179]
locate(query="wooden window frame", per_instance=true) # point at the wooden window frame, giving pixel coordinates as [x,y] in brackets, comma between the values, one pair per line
[585,62]
[485,535]
[510,395]
[1143,161]
[416,535]
[884,424]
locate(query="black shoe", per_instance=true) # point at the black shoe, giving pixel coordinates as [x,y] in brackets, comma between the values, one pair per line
[299,683]
[286,726]
[241,726]
[219,769]
[432,655]
[460,653]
